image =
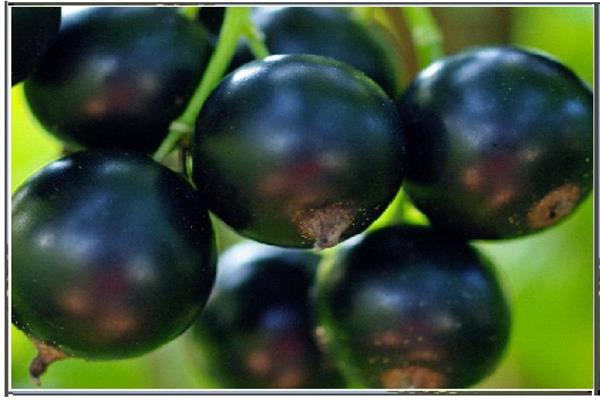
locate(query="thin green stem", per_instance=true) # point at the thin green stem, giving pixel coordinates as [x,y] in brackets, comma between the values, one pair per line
[256,41]
[236,18]
[426,36]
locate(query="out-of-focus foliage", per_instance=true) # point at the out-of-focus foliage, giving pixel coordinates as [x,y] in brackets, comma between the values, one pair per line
[566,33]
[31,147]
[548,276]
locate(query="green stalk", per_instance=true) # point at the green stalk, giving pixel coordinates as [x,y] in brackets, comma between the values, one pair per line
[426,36]
[256,41]
[236,18]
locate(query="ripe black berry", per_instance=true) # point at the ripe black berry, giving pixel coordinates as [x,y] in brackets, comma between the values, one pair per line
[298,151]
[407,307]
[117,76]
[257,328]
[329,32]
[499,142]
[112,256]
[33,30]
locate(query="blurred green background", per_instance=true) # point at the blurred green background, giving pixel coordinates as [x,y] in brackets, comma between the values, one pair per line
[548,276]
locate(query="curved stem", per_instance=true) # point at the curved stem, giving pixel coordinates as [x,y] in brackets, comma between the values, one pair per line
[256,41]
[176,132]
[233,24]
[426,36]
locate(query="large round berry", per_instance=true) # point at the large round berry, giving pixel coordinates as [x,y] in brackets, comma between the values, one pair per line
[112,256]
[500,142]
[32,31]
[406,307]
[257,330]
[298,151]
[117,76]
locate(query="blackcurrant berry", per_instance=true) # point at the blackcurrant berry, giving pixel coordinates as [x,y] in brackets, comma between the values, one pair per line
[329,32]
[407,307]
[499,142]
[117,76]
[298,151]
[112,256]
[257,328]
[33,30]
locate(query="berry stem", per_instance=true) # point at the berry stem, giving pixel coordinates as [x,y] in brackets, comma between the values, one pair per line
[236,18]
[426,36]
[256,42]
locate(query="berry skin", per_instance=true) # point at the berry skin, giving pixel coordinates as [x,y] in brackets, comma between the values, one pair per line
[117,76]
[329,32]
[499,142]
[257,328]
[33,30]
[298,151]
[113,255]
[407,307]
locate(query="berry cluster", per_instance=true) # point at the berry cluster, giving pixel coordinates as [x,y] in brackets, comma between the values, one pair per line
[113,253]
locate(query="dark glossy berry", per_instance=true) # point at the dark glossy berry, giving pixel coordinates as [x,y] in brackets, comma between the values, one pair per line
[406,307]
[330,32]
[298,151]
[112,255]
[257,330]
[500,142]
[32,30]
[117,76]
